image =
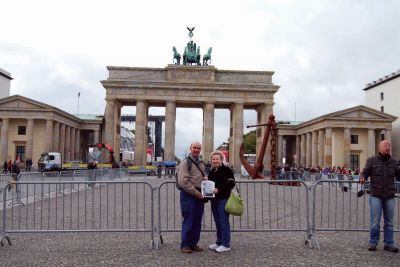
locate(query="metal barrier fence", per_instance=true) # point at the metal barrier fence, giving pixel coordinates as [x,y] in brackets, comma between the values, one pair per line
[136,206]
[106,206]
[268,206]
[336,207]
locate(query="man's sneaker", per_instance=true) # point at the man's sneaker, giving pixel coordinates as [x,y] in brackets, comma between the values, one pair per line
[186,250]
[391,249]
[196,248]
[213,246]
[222,249]
[372,248]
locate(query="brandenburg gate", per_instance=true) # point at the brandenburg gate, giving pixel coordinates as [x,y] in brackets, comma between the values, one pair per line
[190,86]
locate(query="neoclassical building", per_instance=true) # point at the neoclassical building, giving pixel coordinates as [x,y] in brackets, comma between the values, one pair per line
[343,138]
[29,128]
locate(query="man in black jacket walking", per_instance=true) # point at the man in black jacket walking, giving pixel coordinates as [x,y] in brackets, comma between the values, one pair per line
[382,170]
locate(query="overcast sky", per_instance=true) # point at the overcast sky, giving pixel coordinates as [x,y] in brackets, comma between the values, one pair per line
[323,52]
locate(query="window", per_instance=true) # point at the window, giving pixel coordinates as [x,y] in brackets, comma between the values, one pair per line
[21,130]
[354,139]
[20,153]
[354,162]
[381,96]
[382,109]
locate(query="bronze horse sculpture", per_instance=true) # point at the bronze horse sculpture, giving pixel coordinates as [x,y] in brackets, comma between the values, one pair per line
[207,57]
[177,57]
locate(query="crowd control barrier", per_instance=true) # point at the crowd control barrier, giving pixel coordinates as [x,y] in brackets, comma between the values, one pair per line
[268,207]
[103,206]
[72,202]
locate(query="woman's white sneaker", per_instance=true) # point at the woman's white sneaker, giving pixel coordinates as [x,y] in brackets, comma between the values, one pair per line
[213,246]
[222,249]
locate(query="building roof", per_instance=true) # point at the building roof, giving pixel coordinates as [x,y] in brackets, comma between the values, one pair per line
[91,117]
[5,74]
[382,80]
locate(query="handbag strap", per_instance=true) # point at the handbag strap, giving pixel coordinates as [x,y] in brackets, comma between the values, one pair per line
[202,173]
[237,188]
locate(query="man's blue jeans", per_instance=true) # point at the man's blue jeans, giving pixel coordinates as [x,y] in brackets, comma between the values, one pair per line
[377,205]
[221,219]
[192,212]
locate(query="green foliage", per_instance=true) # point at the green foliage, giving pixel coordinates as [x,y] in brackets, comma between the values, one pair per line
[249,140]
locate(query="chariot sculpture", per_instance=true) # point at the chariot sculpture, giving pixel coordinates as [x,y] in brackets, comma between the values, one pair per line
[191,54]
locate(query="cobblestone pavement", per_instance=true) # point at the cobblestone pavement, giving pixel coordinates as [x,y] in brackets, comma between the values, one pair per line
[248,249]
[133,249]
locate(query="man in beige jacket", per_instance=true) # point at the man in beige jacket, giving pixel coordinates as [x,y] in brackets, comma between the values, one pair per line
[191,199]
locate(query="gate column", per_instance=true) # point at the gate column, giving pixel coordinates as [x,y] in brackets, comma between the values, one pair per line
[236,135]
[141,133]
[208,130]
[170,117]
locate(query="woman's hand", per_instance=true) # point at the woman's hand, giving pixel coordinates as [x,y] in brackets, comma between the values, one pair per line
[205,178]
[215,191]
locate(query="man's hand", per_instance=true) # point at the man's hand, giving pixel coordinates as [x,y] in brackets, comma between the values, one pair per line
[205,178]
[362,180]
[199,195]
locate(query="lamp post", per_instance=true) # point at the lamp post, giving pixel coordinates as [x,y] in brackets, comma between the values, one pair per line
[79,94]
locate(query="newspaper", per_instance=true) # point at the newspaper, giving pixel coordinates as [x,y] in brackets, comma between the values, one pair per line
[207,188]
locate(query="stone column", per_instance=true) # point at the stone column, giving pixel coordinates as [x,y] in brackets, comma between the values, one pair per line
[303,150]
[314,149]
[328,147]
[170,119]
[96,136]
[56,136]
[72,155]
[78,145]
[346,148]
[109,131]
[298,149]
[4,140]
[29,139]
[117,138]
[263,112]
[67,156]
[140,133]
[388,135]
[284,150]
[208,131]
[371,142]
[308,149]
[279,150]
[49,136]
[236,138]
[62,140]
[321,148]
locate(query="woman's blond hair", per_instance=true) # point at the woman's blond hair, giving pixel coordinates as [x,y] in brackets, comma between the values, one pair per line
[217,152]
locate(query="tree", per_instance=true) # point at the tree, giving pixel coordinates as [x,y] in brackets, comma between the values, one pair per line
[249,140]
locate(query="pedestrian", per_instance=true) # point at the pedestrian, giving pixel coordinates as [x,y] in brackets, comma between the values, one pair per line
[224,182]
[191,173]
[9,166]
[382,170]
[28,164]
[5,168]
[15,168]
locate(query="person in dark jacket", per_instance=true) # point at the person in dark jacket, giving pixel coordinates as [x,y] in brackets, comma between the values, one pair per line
[224,181]
[382,170]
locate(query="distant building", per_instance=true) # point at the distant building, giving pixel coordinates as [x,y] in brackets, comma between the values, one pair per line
[342,138]
[5,80]
[384,95]
[29,128]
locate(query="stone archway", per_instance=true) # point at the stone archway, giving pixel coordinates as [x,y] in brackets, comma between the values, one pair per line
[186,86]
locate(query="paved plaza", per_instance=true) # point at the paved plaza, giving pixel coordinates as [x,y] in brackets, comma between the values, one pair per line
[248,249]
